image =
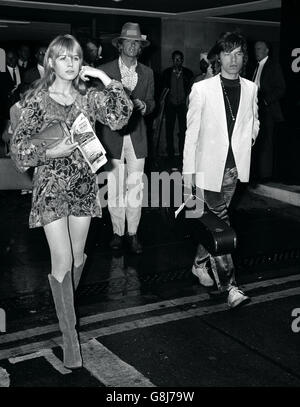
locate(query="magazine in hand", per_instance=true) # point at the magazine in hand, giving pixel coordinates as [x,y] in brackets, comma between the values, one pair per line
[88,143]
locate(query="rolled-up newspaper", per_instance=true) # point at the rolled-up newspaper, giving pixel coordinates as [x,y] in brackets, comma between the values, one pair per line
[90,146]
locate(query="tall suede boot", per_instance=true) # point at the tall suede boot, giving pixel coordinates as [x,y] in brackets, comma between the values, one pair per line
[77,271]
[64,304]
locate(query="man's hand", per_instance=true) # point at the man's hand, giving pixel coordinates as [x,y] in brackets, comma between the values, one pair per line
[139,105]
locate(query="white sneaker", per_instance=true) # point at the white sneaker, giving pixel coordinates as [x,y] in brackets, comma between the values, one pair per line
[201,271]
[236,297]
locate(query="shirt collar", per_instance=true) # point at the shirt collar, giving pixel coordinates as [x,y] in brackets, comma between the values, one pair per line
[10,68]
[125,67]
[177,70]
[264,60]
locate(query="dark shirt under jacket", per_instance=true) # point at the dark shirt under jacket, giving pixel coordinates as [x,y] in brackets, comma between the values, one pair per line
[177,94]
[233,91]
[187,80]
[175,104]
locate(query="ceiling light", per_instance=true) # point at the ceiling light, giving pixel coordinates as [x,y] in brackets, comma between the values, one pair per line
[14,22]
[3,26]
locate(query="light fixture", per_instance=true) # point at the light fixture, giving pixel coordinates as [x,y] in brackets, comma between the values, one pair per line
[14,22]
[3,26]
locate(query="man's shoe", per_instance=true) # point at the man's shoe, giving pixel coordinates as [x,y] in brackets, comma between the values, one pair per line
[200,270]
[134,244]
[117,242]
[236,297]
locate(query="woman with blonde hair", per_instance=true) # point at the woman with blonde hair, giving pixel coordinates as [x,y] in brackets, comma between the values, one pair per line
[64,188]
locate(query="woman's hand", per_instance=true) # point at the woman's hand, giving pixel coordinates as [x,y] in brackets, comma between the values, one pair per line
[62,148]
[87,71]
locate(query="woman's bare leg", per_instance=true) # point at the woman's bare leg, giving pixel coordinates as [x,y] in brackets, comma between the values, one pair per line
[58,237]
[78,228]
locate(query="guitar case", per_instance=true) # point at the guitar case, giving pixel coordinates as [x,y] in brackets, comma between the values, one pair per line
[204,227]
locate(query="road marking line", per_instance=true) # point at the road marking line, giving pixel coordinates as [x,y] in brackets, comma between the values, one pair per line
[28,348]
[4,378]
[176,316]
[109,369]
[48,355]
[146,322]
[27,333]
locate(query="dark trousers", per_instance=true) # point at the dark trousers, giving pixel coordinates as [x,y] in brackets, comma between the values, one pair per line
[171,112]
[218,203]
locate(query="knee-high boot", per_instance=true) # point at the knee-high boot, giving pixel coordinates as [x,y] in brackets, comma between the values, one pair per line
[64,304]
[77,271]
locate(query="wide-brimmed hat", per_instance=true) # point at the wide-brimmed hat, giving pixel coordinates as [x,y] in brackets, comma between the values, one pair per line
[131,31]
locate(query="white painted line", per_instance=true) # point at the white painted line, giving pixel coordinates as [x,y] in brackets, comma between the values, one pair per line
[176,316]
[278,192]
[147,322]
[28,348]
[29,356]
[4,378]
[19,335]
[48,355]
[109,369]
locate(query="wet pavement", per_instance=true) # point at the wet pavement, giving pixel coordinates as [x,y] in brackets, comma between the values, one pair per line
[144,320]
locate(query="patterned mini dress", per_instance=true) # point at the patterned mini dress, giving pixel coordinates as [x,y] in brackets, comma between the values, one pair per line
[65,186]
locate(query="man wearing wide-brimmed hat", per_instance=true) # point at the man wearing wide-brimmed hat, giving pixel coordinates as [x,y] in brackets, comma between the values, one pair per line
[130,144]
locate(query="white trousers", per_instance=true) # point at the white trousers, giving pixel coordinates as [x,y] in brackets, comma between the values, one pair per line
[125,190]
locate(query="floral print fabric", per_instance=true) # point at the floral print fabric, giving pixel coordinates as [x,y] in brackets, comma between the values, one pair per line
[65,186]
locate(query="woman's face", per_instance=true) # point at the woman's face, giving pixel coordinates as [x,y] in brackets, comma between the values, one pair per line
[67,65]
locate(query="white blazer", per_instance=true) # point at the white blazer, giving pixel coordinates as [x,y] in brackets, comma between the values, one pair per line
[207,142]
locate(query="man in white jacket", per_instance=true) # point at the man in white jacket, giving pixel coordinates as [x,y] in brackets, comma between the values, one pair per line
[222,125]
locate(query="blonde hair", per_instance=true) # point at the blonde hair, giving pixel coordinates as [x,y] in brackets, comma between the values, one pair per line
[60,45]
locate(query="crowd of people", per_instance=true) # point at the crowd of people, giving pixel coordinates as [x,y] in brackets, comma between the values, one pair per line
[218,114]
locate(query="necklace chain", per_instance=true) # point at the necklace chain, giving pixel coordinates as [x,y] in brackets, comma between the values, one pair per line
[228,101]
